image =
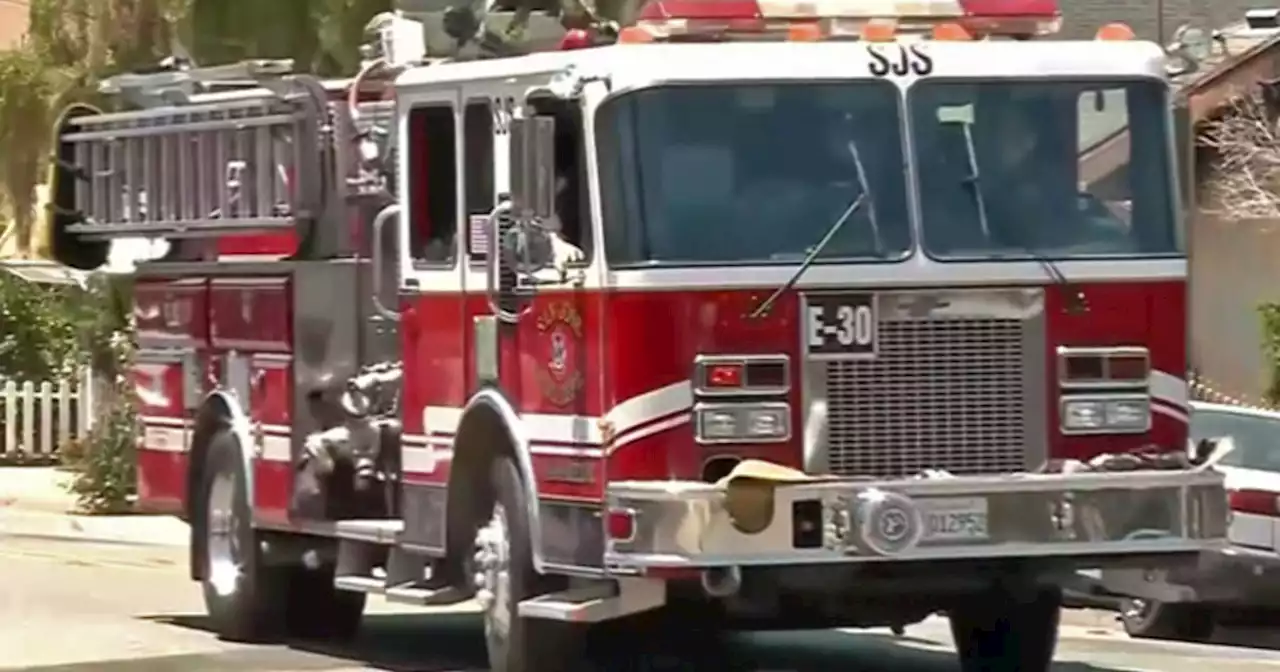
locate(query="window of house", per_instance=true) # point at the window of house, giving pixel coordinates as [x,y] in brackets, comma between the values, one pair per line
[432,179]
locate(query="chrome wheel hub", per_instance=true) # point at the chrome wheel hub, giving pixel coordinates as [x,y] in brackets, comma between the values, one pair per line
[222,544]
[493,573]
[1136,609]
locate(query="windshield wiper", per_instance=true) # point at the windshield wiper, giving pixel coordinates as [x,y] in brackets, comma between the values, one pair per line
[1076,302]
[876,239]
[863,197]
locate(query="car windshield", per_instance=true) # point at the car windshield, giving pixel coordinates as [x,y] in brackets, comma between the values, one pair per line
[1256,437]
[1058,169]
[753,174]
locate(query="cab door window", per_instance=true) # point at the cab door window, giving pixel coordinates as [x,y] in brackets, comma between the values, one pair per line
[478,174]
[433,181]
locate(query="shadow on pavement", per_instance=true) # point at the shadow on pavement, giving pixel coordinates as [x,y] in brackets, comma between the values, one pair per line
[397,643]
[454,642]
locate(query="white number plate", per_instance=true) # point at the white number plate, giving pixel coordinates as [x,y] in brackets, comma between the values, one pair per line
[954,519]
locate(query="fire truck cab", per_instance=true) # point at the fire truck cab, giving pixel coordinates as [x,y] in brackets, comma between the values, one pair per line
[744,315]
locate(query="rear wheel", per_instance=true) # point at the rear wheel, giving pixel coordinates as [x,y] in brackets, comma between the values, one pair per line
[1007,631]
[244,597]
[247,598]
[1150,619]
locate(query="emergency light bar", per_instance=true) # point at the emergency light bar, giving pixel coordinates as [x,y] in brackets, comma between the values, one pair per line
[878,20]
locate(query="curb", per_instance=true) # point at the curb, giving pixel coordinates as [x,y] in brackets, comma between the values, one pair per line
[128,529]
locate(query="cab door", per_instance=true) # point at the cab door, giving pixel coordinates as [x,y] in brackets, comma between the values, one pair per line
[550,321]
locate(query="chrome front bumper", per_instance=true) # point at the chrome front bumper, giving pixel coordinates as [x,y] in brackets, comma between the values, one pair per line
[799,520]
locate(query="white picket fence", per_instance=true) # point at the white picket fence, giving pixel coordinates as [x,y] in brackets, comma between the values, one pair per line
[40,417]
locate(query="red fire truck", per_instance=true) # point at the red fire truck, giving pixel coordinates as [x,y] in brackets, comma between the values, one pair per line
[746,315]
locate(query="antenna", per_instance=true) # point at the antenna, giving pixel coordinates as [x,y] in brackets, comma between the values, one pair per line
[1191,47]
[1195,43]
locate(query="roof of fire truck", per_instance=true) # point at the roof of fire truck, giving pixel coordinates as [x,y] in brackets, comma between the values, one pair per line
[707,40]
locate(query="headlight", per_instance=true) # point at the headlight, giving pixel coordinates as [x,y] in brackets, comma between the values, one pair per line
[743,423]
[1106,415]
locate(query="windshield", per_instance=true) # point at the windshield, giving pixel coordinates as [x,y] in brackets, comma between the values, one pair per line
[752,173]
[1058,169]
[1256,438]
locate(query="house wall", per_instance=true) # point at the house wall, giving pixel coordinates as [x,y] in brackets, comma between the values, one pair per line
[1081,18]
[13,21]
[1232,270]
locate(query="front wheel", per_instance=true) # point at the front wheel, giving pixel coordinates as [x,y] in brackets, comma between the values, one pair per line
[505,575]
[1150,619]
[1007,631]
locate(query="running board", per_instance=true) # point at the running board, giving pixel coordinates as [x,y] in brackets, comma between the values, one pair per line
[598,602]
[360,584]
[374,531]
[428,597]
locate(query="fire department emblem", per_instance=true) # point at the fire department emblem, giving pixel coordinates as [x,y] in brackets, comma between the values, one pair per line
[561,380]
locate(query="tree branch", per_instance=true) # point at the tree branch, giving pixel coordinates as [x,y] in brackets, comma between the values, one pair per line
[1245,178]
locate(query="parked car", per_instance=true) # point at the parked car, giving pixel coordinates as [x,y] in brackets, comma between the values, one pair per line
[1243,578]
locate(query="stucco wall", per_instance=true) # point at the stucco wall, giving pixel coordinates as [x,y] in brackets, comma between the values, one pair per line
[1081,18]
[1233,269]
[13,21]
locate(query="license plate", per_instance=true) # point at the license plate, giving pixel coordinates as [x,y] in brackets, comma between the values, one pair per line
[954,519]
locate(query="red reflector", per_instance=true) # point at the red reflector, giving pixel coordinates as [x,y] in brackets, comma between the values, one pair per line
[576,39]
[724,375]
[1260,502]
[620,525]
[661,10]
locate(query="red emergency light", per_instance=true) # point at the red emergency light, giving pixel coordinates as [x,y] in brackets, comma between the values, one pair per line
[699,20]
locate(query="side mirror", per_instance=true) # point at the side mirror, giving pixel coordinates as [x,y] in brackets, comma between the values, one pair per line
[533,168]
[527,248]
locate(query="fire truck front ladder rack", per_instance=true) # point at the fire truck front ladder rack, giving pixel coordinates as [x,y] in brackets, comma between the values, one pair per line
[222,151]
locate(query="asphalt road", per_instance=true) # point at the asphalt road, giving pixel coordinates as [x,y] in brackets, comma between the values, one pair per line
[93,607]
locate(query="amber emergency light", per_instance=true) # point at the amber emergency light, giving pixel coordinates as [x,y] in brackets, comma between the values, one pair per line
[871,20]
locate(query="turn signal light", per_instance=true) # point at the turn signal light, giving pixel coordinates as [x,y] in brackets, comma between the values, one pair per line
[1104,367]
[729,375]
[724,375]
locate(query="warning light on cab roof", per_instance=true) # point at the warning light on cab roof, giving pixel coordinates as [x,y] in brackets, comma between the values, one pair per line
[810,20]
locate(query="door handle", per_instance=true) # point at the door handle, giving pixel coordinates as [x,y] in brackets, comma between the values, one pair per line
[379,222]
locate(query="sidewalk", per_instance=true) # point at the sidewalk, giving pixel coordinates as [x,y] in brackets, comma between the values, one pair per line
[34,501]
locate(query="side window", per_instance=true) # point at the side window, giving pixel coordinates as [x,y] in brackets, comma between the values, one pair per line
[432,180]
[572,202]
[1103,114]
[477,179]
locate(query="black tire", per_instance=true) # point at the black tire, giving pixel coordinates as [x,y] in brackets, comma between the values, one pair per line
[1007,632]
[1149,619]
[530,645]
[251,607]
[266,602]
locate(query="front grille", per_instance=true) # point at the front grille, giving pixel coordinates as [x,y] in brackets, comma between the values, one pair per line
[942,393]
